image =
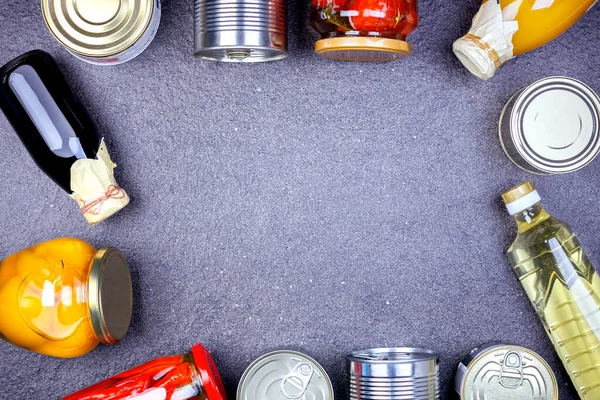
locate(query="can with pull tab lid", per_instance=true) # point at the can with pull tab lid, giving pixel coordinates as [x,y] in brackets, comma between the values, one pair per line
[499,371]
[398,373]
[285,375]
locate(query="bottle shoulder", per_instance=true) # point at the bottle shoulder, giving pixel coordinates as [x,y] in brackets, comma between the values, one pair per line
[542,234]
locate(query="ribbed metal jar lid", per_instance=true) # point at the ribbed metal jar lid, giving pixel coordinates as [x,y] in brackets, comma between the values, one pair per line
[98,28]
[110,295]
[554,125]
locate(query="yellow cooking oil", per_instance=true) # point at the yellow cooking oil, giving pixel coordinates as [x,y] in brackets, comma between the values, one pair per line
[561,284]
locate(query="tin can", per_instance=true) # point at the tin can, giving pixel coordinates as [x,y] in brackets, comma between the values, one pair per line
[106,32]
[393,373]
[500,371]
[552,126]
[285,375]
[241,30]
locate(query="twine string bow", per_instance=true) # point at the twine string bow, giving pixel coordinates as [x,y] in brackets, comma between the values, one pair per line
[94,207]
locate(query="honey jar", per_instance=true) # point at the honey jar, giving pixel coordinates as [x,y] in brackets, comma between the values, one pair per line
[364,30]
[63,297]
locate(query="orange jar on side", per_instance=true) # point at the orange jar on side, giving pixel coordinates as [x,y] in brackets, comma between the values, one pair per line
[63,297]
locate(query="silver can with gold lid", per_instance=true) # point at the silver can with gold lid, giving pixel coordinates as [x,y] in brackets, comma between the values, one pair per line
[499,371]
[105,32]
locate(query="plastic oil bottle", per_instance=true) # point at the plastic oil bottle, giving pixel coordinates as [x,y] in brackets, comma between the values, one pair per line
[561,284]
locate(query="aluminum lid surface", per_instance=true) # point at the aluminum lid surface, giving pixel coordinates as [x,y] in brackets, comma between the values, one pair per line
[554,125]
[98,28]
[285,375]
[508,372]
[110,295]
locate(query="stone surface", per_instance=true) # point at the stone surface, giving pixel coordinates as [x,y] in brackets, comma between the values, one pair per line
[306,204]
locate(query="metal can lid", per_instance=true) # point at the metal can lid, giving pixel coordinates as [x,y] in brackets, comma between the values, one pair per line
[500,372]
[285,375]
[554,125]
[394,362]
[110,295]
[95,28]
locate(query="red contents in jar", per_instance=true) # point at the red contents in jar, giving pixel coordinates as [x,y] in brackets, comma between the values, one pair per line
[164,375]
[388,18]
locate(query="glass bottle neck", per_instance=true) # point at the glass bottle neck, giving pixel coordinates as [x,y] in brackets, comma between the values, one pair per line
[530,217]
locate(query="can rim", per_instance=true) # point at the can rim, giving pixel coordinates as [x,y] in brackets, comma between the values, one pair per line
[549,166]
[425,355]
[254,363]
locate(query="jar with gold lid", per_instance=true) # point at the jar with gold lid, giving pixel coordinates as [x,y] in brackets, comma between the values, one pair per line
[63,297]
[364,30]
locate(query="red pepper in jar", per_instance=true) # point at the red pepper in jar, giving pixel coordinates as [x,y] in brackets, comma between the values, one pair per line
[181,377]
[364,30]
[378,16]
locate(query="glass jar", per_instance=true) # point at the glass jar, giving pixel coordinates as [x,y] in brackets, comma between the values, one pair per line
[189,376]
[63,297]
[364,30]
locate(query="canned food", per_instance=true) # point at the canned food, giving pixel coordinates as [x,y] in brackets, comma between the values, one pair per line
[284,375]
[241,30]
[505,372]
[551,126]
[103,32]
[393,373]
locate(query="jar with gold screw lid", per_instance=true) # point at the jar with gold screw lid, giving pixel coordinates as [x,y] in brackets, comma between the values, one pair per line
[63,297]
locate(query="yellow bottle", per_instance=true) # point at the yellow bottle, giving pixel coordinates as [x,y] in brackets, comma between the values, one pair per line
[561,284]
[62,297]
[503,29]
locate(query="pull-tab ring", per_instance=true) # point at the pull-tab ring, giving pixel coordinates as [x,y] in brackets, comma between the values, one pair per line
[513,361]
[298,379]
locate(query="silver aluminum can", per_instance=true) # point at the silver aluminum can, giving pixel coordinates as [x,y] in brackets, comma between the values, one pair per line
[393,374]
[285,375]
[552,126]
[241,30]
[499,371]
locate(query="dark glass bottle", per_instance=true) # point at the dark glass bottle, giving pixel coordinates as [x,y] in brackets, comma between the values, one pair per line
[58,132]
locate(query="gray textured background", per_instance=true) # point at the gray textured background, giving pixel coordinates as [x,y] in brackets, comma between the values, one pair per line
[307,204]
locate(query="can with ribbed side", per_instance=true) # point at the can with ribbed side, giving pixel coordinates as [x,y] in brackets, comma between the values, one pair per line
[241,30]
[552,126]
[104,32]
[498,371]
[393,373]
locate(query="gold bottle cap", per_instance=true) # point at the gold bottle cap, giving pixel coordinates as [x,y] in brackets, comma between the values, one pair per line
[98,28]
[361,48]
[110,295]
[518,192]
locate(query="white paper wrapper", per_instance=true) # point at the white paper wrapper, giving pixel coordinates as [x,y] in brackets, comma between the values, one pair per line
[94,187]
[489,42]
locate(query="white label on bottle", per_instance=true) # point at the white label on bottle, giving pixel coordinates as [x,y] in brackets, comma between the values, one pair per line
[541,4]
[492,28]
